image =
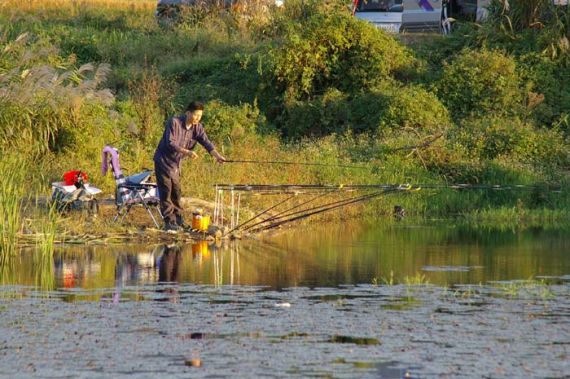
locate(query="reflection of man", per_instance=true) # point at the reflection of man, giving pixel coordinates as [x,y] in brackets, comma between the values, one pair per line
[169,270]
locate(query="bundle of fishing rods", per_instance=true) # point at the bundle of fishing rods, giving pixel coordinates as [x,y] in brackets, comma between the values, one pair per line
[319,198]
[289,210]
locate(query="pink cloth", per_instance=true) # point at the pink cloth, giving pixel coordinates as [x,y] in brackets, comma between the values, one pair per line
[113,154]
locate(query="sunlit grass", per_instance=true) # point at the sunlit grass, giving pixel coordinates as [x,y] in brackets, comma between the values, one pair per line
[12,176]
[64,6]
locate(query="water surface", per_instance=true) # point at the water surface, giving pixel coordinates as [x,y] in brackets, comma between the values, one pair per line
[338,301]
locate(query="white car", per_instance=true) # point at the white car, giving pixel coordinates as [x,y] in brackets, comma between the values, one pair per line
[409,15]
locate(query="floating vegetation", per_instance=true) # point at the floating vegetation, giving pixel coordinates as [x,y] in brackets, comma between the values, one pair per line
[525,288]
[354,340]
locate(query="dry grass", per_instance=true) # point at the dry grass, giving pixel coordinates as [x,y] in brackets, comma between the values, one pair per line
[76,5]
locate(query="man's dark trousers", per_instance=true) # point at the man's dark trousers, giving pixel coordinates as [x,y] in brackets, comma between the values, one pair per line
[169,190]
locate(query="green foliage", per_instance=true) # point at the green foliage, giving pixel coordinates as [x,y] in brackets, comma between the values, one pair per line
[233,79]
[476,83]
[12,182]
[548,100]
[381,110]
[152,100]
[334,51]
[499,137]
[528,26]
[326,114]
[228,123]
[43,99]
[413,107]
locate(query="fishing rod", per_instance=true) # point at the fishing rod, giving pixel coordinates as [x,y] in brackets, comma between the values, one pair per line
[261,214]
[324,208]
[292,216]
[296,163]
[287,212]
[299,188]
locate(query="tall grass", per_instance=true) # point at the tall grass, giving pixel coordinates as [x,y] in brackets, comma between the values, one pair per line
[43,254]
[42,101]
[12,191]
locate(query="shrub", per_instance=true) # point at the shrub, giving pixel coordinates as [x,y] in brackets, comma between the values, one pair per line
[334,51]
[326,114]
[480,82]
[226,123]
[413,107]
[549,97]
[390,107]
[499,137]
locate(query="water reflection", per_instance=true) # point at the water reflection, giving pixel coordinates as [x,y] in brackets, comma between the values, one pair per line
[323,257]
[169,264]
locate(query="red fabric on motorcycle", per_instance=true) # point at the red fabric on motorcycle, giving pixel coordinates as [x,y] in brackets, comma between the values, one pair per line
[70,177]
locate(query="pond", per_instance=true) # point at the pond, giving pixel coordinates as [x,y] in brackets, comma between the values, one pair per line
[348,300]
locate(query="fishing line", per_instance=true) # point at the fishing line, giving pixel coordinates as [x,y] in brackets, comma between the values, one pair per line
[296,163]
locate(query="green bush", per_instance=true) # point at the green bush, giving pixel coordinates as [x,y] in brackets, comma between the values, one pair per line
[233,79]
[479,83]
[324,115]
[413,107]
[549,97]
[390,107]
[334,51]
[226,123]
[499,137]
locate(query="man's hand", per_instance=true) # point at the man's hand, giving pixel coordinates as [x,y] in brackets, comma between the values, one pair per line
[190,154]
[219,158]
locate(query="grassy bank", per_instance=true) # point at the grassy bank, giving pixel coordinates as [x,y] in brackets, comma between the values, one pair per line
[305,83]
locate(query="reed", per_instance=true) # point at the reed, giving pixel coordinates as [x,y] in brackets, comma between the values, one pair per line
[12,181]
[44,270]
[418,279]
[48,229]
[43,253]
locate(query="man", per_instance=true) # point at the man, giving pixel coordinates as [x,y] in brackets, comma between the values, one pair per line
[180,136]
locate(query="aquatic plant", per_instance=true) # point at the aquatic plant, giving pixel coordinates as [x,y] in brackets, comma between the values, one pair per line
[47,233]
[525,288]
[418,279]
[389,281]
[12,191]
[43,265]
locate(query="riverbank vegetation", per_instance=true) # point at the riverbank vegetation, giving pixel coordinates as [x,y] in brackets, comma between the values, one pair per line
[305,82]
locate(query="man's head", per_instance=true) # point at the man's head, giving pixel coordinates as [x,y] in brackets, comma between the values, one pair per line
[194,112]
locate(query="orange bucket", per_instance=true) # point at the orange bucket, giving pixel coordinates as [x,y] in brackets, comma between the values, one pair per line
[201,222]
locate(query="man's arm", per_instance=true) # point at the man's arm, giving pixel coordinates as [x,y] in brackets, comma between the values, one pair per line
[219,157]
[203,139]
[173,137]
